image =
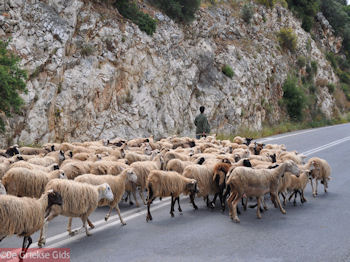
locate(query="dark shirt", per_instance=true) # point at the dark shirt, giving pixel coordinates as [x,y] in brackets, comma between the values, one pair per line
[202,124]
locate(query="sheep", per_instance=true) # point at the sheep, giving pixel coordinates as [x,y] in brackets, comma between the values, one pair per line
[11,151]
[33,166]
[203,174]
[219,177]
[321,171]
[298,185]
[178,165]
[256,148]
[256,183]
[117,184]
[184,144]
[6,164]
[299,159]
[24,216]
[104,167]
[21,181]
[2,189]
[281,147]
[134,157]
[142,170]
[79,200]
[32,151]
[137,142]
[169,183]
[49,159]
[87,157]
[240,140]
[240,153]
[76,168]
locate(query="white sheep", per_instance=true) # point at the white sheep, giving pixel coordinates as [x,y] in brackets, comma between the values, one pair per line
[23,216]
[33,166]
[168,183]
[79,200]
[2,189]
[49,159]
[256,183]
[117,184]
[321,171]
[21,181]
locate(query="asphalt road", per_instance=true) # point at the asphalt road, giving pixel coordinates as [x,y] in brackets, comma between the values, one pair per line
[318,230]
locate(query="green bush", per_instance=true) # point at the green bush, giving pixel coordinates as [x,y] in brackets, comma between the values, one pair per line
[301,61]
[87,50]
[331,88]
[179,10]
[247,13]
[12,81]
[332,59]
[314,67]
[287,39]
[293,98]
[306,10]
[129,9]
[227,70]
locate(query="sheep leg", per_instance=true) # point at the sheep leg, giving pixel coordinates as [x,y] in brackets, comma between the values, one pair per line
[295,197]
[212,203]
[325,185]
[222,203]
[42,238]
[25,246]
[2,237]
[134,195]
[83,227]
[91,225]
[234,208]
[316,184]
[258,208]
[178,202]
[273,199]
[302,198]
[172,206]
[109,213]
[192,201]
[229,204]
[142,196]
[149,201]
[277,199]
[69,227]
[284,198]
[120,217]
[264,204]
[245,203]
[209,204]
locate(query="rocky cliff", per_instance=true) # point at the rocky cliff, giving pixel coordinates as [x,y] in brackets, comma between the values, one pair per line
[95,75]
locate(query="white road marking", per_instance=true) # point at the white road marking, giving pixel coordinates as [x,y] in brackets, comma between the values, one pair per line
[295,134]
[334,143]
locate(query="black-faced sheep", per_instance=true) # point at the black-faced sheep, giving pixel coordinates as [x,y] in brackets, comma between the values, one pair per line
[23,216]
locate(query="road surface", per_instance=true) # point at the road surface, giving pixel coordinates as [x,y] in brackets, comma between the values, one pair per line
[317,231]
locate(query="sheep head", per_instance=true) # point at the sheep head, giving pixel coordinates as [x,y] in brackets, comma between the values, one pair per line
[105,191]
[130,174]
[192,186]
[54,198]
[292,167]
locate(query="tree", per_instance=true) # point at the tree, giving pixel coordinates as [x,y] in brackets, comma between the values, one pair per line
[12,81]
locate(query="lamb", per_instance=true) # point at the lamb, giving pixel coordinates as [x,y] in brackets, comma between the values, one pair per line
[24,216]
[79,200]
[33,166]
[256,183]
[321,171]
[169,183]
[21,181]
[298,185]
[117,184]
[49,159]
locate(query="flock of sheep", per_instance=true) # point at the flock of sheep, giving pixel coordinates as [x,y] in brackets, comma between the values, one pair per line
[73,179]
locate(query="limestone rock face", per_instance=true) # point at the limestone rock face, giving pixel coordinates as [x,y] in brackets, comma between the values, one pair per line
[95,75]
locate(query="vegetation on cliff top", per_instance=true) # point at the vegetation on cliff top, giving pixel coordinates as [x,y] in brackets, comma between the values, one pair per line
[12,81]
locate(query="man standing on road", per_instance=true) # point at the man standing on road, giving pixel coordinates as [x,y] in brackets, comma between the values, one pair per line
[201,122]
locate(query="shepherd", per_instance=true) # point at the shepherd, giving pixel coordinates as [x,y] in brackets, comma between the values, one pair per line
[202,124]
